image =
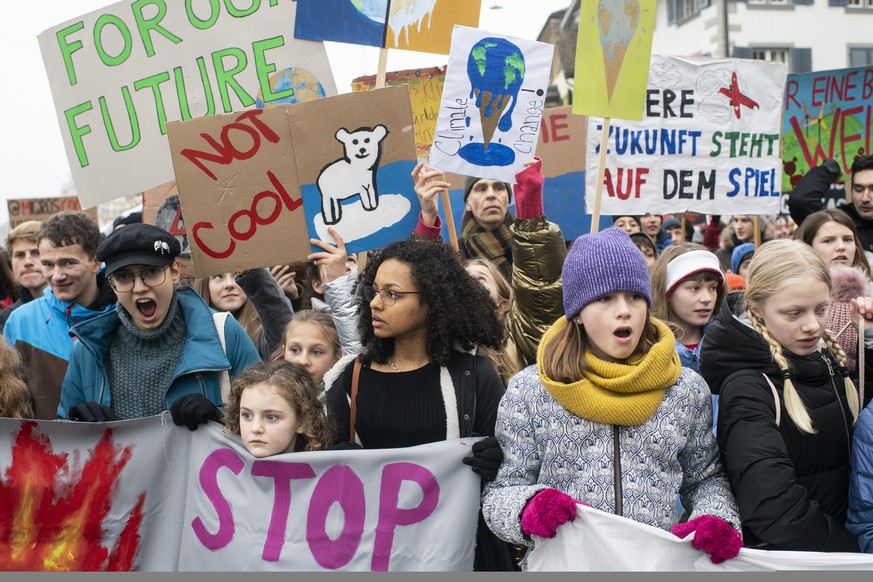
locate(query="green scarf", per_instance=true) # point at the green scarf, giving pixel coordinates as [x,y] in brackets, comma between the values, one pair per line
[476,242]
[614,393]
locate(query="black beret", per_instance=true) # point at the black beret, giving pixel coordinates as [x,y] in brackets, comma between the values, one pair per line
[138,244]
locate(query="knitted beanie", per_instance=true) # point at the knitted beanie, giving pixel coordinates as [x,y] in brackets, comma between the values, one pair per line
[692,263]
[739,253]
[601,263]
[848,283]
[470,181]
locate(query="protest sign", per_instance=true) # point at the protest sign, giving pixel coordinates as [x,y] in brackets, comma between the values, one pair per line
[827,116]
[561,147]
[355,154]
[600,541]
[708,141]
[415,25]
[613,49]
[150,496]
[24,209]
[119,74]
[245,204]
[492,135]
[239,190]
[426,25]
[425,90]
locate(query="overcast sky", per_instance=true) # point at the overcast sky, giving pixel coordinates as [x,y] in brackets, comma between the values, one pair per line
[34,163]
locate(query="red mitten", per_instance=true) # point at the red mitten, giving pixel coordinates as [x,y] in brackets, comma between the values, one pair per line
[713,535]
[546,511]
[528,191]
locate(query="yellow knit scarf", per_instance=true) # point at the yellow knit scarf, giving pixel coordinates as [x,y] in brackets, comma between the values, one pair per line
[612,393]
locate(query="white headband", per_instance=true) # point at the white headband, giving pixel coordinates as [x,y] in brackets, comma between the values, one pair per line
[692,263]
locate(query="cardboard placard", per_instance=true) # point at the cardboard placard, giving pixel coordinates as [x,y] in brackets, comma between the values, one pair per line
[827,116]
[492,103]
[24,209]
[245,204]
[425,91]
[119,74]
[708,141]
[355,154]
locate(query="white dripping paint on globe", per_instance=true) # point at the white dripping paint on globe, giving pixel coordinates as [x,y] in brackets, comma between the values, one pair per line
[406,13]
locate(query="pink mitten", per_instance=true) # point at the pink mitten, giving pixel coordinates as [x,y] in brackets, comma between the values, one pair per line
[713,535]
[546,511]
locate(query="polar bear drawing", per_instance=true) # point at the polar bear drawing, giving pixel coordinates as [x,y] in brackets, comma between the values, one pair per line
[354,174]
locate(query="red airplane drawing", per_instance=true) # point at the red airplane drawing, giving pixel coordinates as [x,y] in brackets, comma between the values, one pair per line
[736,97]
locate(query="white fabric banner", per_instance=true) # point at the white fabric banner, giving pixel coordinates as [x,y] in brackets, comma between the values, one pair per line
[120,73]
[148,495]
[492,104]
[599,541]
[708,141]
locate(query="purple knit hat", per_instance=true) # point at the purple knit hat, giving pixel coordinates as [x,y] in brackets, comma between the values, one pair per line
[601,263]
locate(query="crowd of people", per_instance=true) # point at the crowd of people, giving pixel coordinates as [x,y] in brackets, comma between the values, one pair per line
[695,373]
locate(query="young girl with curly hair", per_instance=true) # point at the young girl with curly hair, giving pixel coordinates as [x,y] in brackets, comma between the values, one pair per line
[417,380]
[786,404]
[274,408]
[608,416]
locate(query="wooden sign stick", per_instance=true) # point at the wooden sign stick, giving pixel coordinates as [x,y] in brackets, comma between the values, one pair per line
[601,170]
[383,65]
[682,222]
[757,231]
[450,221]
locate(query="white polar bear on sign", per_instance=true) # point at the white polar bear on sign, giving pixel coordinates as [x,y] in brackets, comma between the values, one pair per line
[354,174]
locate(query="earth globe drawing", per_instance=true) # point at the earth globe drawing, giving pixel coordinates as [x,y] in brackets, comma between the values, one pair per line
[305,85]
[375,10]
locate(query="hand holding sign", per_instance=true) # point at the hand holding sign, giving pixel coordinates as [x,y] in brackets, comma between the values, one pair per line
[428,187]
[333,260]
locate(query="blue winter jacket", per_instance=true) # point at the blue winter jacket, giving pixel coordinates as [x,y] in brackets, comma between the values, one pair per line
[199,368]
[40,331]
[691,359]
[859,519]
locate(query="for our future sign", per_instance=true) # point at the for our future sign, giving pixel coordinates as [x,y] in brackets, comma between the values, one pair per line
[119,74]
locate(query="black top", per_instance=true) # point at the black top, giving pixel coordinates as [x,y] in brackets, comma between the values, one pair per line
[394,409]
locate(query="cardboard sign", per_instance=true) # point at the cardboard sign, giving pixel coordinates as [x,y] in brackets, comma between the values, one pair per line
[425,91]
[24,209]
[120,74]
[245,204]
[612,57]
[415,25]
[492,104]
[827,116]
[355,154]
[146,495]
[708,142]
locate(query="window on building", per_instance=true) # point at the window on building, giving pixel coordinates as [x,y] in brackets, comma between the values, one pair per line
[861,57]
[768,1]
[860,3]
[679,10]
[777,55]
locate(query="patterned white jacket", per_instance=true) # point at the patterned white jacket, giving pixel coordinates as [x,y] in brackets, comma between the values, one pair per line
[545,445]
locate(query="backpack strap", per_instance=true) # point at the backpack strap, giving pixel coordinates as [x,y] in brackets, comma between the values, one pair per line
[218,318]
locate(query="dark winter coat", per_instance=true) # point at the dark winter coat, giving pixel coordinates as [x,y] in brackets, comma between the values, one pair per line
[791,487]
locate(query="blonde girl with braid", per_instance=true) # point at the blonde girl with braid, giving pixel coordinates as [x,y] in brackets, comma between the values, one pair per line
[787,404]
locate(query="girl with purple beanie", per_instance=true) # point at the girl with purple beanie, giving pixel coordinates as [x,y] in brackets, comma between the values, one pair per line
[609,417]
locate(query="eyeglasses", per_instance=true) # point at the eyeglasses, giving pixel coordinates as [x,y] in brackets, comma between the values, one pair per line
[388,297]
[123,281]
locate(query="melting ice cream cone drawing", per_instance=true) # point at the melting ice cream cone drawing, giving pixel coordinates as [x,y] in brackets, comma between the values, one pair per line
[618,22]
[496,70]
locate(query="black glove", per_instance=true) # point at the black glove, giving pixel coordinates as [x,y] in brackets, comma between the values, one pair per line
[833,169]
[345,446]
[92,411]
[486,458]
[194,409]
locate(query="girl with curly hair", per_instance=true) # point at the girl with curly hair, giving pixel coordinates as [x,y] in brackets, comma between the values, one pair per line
[417,382]
[274,408]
